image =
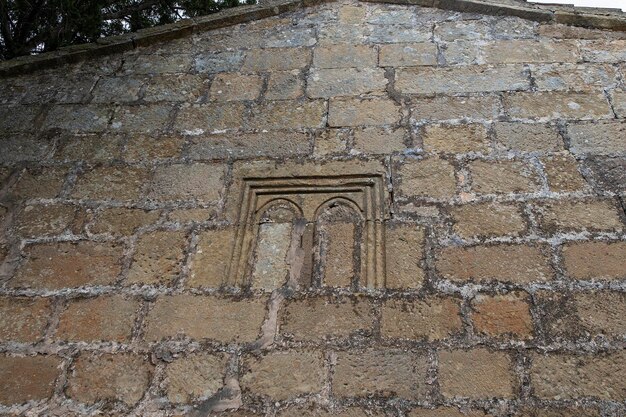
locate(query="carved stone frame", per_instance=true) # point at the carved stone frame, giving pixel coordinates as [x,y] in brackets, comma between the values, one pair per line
[371,206]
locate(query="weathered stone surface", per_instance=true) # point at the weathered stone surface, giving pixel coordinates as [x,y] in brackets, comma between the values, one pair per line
[407,55]
[464,79]
[513,263]
[320,412]
[194,377]
[111,183]
[387,373]
[368,112]
[90,148]
[209,265]
[278,60]
[429,178]
[27,378]
[379,140]
[44,182]
[248,145]
[201,317]
[604,138]
[122,221]
[619,102]
[454,108]
[345,56]
[430,319]
[200,182]
[556,376]
[25,148]
[604,50]
[143,118]
[321,318]
[271,268]
[288,114]
[79,118]
[445,412]
[487,219]
[575,215]
[23,319]
[158,63]
[577,77]
[513,51]
[502,315]
[61,265]
[284,375]
[563,174]
[285,85]
[475,374]
[463,29]
[583,314]
[404,246]
[108,318]
[197,119]
[175,87]
[224,61]
[123,377]
[609,173]
[22,118]
[500,177]
[325,83]
[455,138]
[398,34]
[234,87]
[544,106]
[595,260]
[43,220]
[158,258]
[462,52]
[331,141]
[147,148]
[118,89]
[528,137]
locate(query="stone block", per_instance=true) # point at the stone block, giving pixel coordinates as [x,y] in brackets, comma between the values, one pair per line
[326,318]
[487,220]
[109,318]
[602,138]
[566,377]
[196,376]
[196,182]
[334,82]
[27,378]
[545,106]
[527,137]
[367,112]
[205,317]
[566,216]
[430,319]
[455,139]
[24,319]
[462,79]
[476,374]
[284,375]
[158,258]
[404,250]
[595,260]
[427,178]
[407,55]
[107,377]
[381,373]
[518,264]
[61,265]
[235,87]
[279,59]
[502,177]
[345,56]
[502,315]
[111,183]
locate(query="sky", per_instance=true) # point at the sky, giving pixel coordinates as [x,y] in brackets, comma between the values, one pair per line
[617,4]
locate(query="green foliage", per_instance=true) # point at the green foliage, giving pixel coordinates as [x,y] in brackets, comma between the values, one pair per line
[33,26]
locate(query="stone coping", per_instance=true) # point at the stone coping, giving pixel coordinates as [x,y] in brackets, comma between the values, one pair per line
[594,18]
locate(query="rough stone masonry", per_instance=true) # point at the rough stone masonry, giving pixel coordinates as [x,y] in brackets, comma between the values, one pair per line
[351,209]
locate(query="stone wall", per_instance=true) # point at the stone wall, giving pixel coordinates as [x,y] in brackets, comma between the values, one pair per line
[351,209]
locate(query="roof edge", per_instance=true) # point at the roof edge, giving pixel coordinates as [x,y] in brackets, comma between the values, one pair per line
[605,19]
